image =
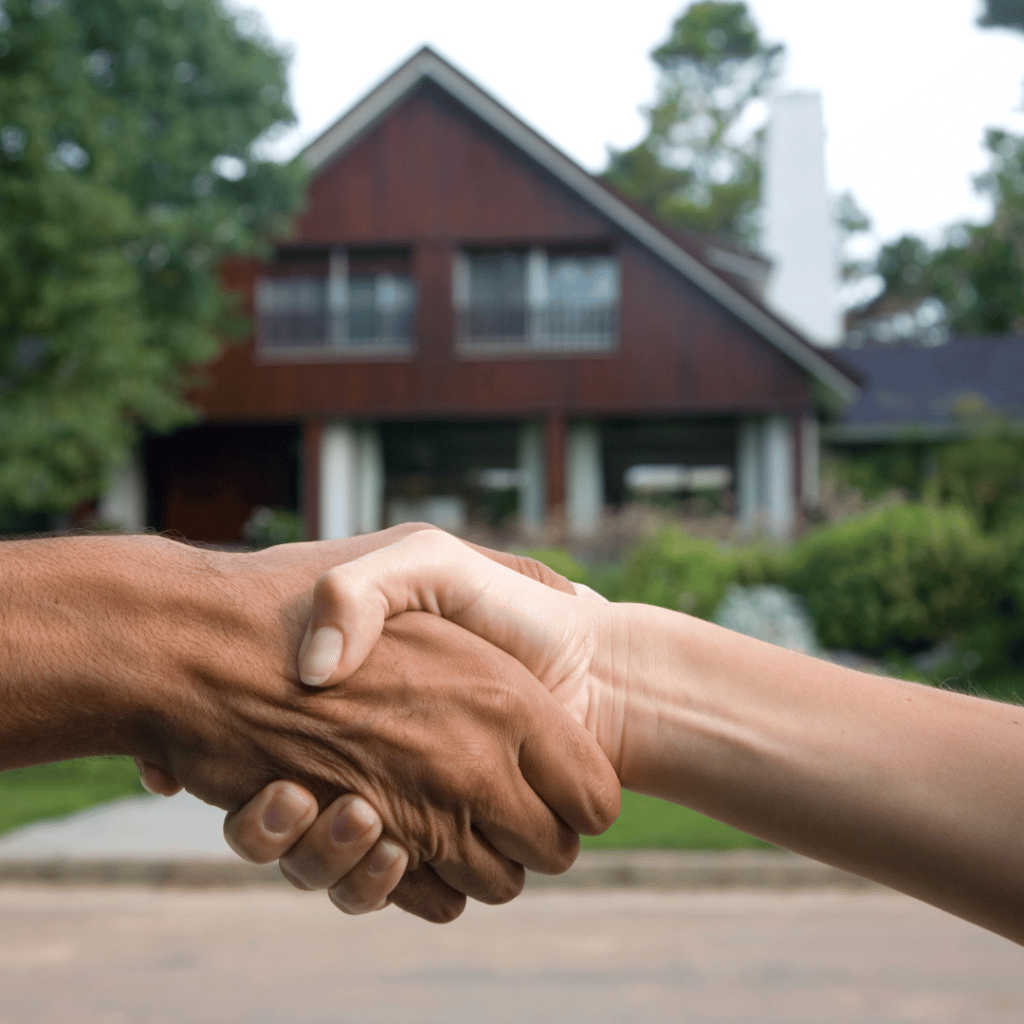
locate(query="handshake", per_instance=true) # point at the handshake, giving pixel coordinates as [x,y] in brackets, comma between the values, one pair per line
[404,718]
[441,764]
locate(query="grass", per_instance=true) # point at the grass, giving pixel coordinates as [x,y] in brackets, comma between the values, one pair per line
[53,790]
[650,824]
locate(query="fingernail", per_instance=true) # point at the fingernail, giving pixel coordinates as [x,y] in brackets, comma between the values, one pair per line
[285,811]
[320,658]
[354,821]
[146,785]
[382,857]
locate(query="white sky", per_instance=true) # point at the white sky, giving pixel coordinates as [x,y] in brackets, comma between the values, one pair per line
[908,85]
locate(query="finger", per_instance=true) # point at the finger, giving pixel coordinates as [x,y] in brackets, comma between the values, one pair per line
[536,838]
[370,881]
[434,572]
[479,871]
[155,780]
[271,823]
[527,831]
[334,844]
[424,894]
[528,567]
[568,769]
[582,590]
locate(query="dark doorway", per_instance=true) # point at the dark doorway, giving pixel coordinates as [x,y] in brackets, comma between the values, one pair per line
[708,441]
[205,482]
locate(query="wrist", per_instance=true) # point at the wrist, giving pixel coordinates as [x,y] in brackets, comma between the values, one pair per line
[98,635]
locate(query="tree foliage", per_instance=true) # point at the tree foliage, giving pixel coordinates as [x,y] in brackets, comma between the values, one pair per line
[698,166]
[127,172]
[972,283]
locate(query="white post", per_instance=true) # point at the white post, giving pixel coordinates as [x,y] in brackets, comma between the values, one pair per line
[749,496]
[339,481]
[531,475]
[124,498]
[778,465]
[800,236]
[371,479]
[810,462]
[584,479]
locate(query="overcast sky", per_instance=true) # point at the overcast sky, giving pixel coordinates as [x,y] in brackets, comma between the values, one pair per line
[908,85]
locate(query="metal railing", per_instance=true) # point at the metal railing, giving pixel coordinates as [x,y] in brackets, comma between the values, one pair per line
[556,327]
[342,329]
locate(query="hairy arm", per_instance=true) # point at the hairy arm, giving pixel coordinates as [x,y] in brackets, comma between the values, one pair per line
[184,658]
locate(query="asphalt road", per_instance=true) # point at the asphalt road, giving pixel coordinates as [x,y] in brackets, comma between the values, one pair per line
[137,956]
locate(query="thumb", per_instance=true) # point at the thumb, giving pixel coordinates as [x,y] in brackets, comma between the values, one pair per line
[428,571]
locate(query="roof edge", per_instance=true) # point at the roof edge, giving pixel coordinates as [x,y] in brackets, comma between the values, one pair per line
[426,64]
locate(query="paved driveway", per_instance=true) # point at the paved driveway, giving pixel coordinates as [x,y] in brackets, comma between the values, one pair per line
[136,956]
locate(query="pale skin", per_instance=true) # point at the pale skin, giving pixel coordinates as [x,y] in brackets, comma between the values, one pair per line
[184,659]
[912,786]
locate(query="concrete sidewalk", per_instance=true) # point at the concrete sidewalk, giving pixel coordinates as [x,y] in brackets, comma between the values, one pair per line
[178,842]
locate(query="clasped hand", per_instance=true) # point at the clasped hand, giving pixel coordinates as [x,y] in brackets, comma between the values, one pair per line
[552,634]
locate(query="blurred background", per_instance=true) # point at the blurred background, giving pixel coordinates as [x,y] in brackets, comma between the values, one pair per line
[715,306]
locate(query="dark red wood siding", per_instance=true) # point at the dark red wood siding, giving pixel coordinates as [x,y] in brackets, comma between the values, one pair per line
[432,177]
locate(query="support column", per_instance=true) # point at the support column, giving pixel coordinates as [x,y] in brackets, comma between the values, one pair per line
[371,479]
[532,483]
[339,481]
[584,503]
[779,465]
[123,502]
[749,490]
[351,480]
[554,465]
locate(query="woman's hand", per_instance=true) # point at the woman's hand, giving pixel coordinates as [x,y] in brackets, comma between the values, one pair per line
[567,642]
[563,639]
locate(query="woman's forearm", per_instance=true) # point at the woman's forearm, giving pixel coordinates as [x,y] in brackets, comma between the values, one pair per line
[915,787]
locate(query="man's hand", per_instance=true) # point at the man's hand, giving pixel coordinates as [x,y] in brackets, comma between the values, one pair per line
[185,659]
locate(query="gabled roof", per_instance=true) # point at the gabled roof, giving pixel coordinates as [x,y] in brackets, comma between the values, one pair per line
[426,65]
[916,392]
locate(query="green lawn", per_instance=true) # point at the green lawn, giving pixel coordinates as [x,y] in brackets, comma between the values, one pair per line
[649,824]
[52,790]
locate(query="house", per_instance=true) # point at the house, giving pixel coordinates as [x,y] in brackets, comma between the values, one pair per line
[465,324]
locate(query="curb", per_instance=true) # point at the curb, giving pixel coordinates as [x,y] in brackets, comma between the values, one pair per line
[612,869]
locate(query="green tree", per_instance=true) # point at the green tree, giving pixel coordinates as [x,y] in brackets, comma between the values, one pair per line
[973,283]
[129,169]
[698,166]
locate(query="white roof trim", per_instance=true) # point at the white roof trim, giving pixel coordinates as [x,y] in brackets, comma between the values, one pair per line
[426,64]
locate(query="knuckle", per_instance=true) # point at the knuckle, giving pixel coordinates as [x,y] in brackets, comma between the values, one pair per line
[603,808]
[565,855]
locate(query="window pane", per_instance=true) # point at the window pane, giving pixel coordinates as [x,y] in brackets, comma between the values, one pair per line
[583,280]
[497,279]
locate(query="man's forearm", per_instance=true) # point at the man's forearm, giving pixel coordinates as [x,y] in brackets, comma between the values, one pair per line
[95,638]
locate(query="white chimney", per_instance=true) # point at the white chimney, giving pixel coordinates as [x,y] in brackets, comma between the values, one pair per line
[799,234]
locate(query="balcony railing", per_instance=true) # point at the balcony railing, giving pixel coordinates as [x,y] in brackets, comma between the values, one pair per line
[285,325]
[556,327]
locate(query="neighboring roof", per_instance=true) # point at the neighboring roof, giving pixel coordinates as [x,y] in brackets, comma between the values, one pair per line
[913,391]
[427,65]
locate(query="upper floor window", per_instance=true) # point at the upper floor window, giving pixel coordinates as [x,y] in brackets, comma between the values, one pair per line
[536,299]
[355,300]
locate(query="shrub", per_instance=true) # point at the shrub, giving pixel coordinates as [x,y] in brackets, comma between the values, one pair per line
[676,571]
[901,578]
